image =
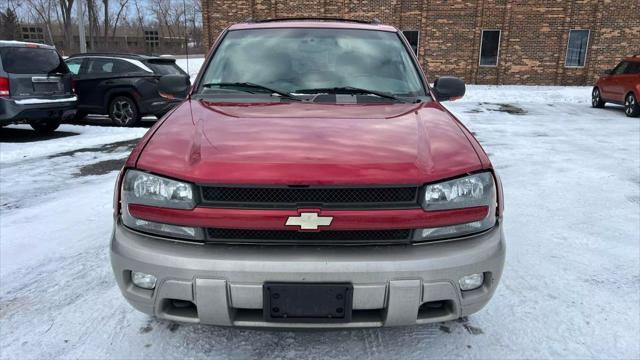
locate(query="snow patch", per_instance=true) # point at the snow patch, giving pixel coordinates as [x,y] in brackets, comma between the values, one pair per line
[570,287]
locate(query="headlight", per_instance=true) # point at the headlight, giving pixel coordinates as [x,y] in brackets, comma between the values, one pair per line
[146,189]
[470,191]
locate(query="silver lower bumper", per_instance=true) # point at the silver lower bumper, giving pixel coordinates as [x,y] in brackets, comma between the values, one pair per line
[392,285]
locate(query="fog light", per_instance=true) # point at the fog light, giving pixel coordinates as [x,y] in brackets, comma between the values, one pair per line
[142,280]
[471,282]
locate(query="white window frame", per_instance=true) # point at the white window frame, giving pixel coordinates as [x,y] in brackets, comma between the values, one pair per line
[480,52]
[586,50]
[135,62]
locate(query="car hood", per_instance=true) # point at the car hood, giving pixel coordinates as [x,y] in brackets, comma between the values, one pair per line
[309,144]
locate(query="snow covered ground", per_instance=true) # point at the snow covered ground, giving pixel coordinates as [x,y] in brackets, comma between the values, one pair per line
[571,286]
[191,65]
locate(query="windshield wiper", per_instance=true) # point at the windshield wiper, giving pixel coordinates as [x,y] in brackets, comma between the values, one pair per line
[349,90]
[246,86]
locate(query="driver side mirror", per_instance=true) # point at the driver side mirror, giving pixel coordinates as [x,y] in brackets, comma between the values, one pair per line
[608,72]
[174,87]
[448,88]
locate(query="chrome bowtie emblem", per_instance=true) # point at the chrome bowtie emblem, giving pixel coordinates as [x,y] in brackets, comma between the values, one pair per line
[309,221]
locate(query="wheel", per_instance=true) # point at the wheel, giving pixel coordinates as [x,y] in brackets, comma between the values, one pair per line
[596,98]
[123,111]
[45,126]
[631,106]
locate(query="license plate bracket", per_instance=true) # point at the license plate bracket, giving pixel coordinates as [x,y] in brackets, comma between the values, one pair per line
[46,87]
[307,302]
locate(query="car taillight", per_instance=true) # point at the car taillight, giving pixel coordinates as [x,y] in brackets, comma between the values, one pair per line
[4,86]
[73,86]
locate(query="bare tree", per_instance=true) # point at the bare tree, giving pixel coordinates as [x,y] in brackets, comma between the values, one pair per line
[170,17]
[139,16]
[93,24]
[9,28]
[106,19]
[65,11]
[123,5]
[14,5]
[42,10]
[105,4]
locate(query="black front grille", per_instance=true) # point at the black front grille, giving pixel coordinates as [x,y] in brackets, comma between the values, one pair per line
[344,237]
[291,197]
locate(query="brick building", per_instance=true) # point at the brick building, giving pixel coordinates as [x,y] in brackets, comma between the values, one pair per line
[483,41]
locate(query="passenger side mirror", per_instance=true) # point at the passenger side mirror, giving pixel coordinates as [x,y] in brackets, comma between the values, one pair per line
[448,88]
[608,72]
[174,87]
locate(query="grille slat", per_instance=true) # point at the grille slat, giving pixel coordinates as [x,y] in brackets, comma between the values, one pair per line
[345,237]
[372,197]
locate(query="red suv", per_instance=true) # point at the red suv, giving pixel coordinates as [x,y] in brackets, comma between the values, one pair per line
[311,178]
[621,85]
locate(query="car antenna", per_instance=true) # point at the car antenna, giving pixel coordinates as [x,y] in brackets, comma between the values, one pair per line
[186,39]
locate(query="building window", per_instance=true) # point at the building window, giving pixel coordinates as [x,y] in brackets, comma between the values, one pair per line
[33,34]
[413,39]
[152,39]
[577,48]
[489,47]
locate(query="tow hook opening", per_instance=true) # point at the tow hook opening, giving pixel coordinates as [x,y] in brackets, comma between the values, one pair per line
[436,309]
[180,309]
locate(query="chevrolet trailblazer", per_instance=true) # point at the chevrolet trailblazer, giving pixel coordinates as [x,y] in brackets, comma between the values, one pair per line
[311,178]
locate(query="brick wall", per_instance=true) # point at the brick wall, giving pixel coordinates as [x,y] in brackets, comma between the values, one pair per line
[534,33]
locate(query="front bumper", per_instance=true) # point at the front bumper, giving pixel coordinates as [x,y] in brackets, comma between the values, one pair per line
[25,110]
[392,285]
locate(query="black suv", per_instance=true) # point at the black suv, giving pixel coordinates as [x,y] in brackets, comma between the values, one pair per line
[124,86]
[35,86]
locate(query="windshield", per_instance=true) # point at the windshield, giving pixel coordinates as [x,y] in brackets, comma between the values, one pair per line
[294,60]
[21,60]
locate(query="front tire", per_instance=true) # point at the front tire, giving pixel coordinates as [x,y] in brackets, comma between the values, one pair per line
[596,98]
[123,111]
[631,106]
[45,126]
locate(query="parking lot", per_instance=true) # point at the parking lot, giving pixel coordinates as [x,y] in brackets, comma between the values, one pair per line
[570,288]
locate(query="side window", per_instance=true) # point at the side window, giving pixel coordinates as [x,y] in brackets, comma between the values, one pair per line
[100,66]
[413,37]
[489,47]
[577,48]
[633,68]
[621,68]
[74,65]
[122,66]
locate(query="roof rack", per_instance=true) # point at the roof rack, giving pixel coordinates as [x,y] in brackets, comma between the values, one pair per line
[121,54]
[26,43]
[372,21]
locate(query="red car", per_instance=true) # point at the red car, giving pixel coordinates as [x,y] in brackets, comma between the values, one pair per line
[621,85]
[311,178]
